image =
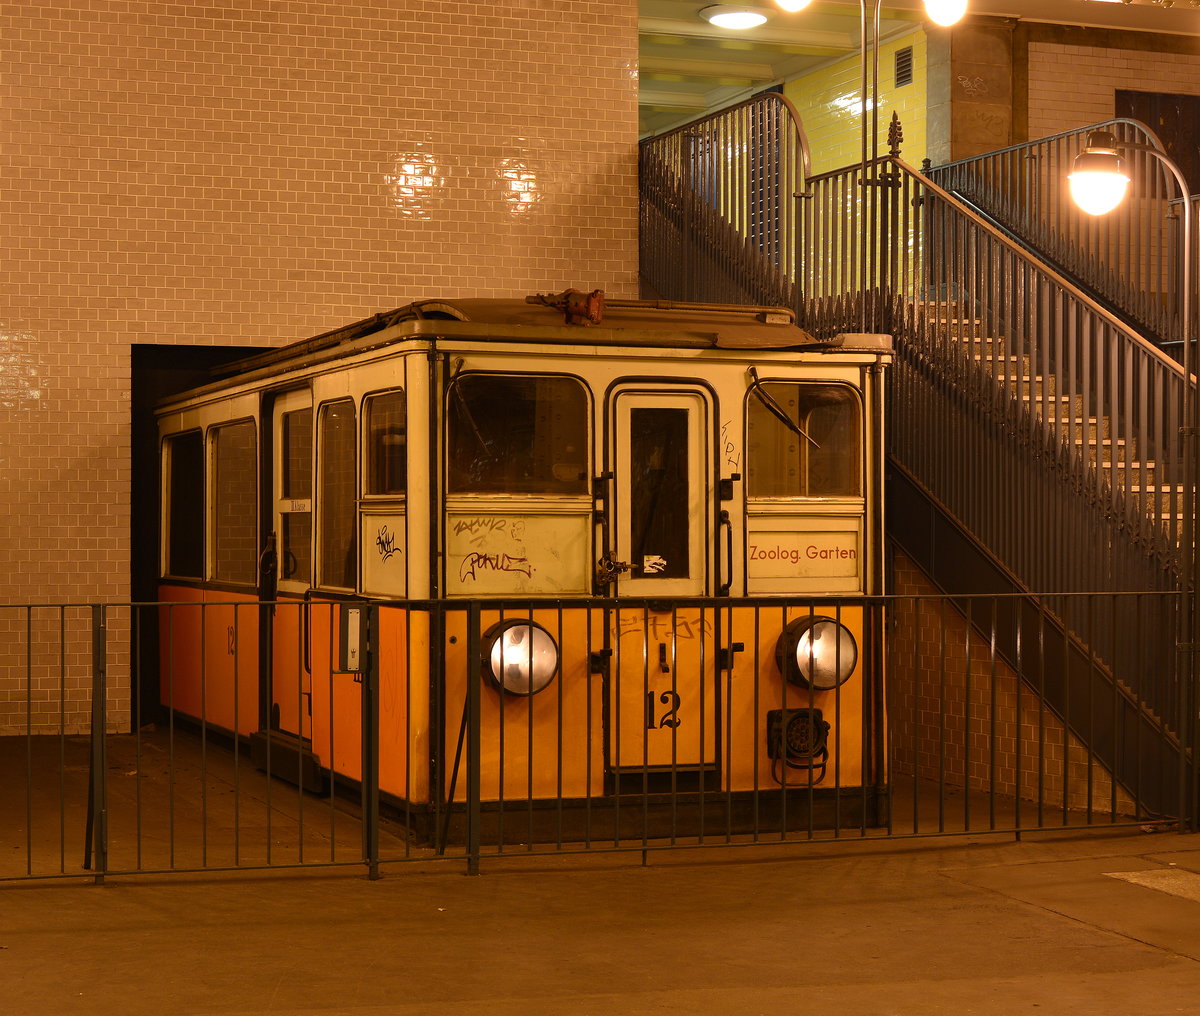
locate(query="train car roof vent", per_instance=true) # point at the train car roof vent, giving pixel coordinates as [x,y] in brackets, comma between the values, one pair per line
[578,307]
[437,311]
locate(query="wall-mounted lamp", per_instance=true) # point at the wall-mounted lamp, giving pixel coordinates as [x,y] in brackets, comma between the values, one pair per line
[733,16]
[1098,178]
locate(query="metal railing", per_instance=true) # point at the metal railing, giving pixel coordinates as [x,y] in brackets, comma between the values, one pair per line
[992,719]
[718,210]
[1040,422]
[1129,259]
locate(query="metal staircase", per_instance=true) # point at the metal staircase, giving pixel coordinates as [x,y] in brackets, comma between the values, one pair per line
[1128,260]
[1029,423]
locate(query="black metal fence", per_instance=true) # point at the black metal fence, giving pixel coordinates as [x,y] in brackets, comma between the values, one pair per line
[662,726]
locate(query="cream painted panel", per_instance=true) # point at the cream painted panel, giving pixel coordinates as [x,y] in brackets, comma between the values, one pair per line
[510,552]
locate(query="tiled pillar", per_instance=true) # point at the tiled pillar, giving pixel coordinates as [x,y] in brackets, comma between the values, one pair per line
[970,88]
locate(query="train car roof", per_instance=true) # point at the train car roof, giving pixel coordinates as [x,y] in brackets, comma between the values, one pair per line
[572,317]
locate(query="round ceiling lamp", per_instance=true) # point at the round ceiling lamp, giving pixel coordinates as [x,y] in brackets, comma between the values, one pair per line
[791,6]
[733,16]
[945,12]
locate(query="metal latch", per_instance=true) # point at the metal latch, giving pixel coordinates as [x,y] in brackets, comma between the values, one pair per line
[608,568]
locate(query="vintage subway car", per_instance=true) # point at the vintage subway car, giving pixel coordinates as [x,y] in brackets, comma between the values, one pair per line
[662,522]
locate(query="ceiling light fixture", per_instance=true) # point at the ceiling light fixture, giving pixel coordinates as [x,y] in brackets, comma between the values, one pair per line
[791,6]
[733,16]
[945,12]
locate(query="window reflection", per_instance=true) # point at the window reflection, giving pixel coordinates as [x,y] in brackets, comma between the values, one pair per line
[782,463]
[517,435]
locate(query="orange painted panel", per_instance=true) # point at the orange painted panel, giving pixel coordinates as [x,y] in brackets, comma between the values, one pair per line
[404,727]
[664,689]
[290,680]
[756,686]
[231,661]
[539,747]
[209,656]
[336,697]
[180,657]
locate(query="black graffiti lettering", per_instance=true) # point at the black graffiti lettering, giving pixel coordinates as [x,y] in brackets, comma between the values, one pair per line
[475,563]
[385,542]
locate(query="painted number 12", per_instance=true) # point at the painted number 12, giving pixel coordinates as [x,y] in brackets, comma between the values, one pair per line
[668,719]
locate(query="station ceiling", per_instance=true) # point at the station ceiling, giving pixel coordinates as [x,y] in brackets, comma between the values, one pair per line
[687,66]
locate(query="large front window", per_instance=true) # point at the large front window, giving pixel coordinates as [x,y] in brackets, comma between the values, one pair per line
[513,434]
[803,440]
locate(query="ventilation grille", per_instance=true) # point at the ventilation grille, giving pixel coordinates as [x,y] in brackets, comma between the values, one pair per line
[904,66]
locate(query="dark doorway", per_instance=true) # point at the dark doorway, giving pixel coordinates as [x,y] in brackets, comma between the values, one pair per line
[156,372]
[1176,121]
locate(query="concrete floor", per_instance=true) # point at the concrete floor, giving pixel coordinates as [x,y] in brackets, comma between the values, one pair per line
[1048,925]
[1102,922]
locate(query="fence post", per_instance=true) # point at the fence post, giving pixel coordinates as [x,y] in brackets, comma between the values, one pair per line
[473,739]
[370,745]
[97,833]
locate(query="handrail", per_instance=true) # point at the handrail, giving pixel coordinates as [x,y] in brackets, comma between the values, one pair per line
[1129,259]
[776,98]
[718,212]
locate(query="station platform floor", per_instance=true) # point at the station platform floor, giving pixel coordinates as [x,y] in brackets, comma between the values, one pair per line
[1099,922]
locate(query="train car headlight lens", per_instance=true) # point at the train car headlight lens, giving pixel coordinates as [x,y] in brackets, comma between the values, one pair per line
[816,652]
[519,657]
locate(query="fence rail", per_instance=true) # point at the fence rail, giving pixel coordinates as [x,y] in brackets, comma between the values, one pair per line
[976,715]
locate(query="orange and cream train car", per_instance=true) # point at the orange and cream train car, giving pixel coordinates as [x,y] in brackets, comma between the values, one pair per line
[648,533]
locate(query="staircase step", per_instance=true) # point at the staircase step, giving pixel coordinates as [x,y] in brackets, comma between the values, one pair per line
[1027,386]
[1109,450]
[1076,428]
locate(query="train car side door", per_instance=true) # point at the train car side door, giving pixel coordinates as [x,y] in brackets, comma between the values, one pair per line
[660,544]
[292,525]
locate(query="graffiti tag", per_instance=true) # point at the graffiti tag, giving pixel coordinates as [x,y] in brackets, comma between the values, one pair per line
[479,562]
[728,447]
[659,628]
[385,543]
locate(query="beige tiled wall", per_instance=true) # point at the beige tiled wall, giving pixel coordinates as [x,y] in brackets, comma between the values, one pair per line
[1073,86]
[257,172]
[964,719]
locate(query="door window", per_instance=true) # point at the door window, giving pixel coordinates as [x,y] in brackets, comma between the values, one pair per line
[659,475]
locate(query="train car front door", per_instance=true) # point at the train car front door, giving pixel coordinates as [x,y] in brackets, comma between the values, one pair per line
[662,695]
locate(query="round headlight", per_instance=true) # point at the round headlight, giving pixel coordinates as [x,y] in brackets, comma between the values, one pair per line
[816,652]
[519,657]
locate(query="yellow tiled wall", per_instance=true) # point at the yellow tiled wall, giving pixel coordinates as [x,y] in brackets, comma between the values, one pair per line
[829,102]
[253,173]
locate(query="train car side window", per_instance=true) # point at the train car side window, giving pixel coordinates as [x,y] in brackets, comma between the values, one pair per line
[185,505]
[235,503]
[338,564]
[819,454]
[512,434]
[387,470]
